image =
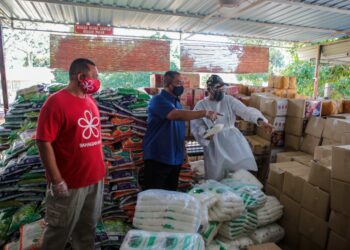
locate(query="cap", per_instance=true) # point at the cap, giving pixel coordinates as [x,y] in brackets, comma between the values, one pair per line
[215,80]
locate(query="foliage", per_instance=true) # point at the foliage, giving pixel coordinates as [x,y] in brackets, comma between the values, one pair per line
[26,48]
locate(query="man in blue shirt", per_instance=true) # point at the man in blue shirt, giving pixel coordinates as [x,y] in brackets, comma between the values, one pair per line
[164,140]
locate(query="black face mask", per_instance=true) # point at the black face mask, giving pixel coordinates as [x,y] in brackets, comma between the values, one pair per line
[218,95]
[178,90]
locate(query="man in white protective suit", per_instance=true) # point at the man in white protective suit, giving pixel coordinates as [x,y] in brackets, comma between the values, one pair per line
[227,150]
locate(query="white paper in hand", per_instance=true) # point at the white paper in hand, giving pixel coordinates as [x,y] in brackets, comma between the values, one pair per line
[214,130]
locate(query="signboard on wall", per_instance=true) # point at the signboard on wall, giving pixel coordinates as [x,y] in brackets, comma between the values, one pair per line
[93,29]
[217,58]
[110,54]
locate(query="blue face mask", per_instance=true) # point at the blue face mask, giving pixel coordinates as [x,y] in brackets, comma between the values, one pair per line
[178,90]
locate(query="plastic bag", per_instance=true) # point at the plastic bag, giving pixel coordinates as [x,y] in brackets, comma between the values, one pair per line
[31,235]
[229,204]
[240,243]
[270,233]
[210,232]
[252,195]
[140,240]
[168,211]
[270,212]
[219,245]
[245,177]
[241,226]
[24,215]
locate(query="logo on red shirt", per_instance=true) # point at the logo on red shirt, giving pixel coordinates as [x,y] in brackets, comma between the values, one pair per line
[90,125]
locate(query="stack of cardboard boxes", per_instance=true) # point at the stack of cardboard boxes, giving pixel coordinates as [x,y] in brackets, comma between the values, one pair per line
[339,222]
[282,86]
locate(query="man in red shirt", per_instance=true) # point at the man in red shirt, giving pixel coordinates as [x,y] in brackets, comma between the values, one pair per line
[69,140]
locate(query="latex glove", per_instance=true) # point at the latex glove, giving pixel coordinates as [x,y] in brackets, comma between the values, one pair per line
[267,126]
[59,190]
[212,115]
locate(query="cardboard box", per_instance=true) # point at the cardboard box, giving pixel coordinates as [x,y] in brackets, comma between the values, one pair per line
[335,242]
[245,127]
[340,201]
[315,126]
[335,129]
[274,152]
[265,246]
[289,156]
[294,181]
[320,176]
[310,143]
[345,139]
[277,170]
[191,80]
[291,93]
[276,137]
[295,126]
[328,142]
[292,142]
[341,163]
[290,220]
[315,201]
[274,106]
[186,99]
[278,82]
[346,106]
[292,82]
[258,145]
[306,160]
[306,244]
[255,100]
[278,122]
[270,82]
[340,224]
[313,228]
[331,107]
[199,94]
[323,155]
[156,81]
[270,190]
[296,108]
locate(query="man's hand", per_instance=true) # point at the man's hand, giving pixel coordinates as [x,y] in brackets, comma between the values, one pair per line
[212,115]
[267,126]
[59,190]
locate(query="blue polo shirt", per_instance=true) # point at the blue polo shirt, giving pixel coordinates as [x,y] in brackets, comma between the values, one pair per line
[164,139]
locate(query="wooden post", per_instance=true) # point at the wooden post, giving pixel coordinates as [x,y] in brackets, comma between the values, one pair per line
[3,73]
[317,69]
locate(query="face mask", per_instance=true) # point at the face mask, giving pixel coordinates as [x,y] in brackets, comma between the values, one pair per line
[218,95]
[90,85]
[178,90]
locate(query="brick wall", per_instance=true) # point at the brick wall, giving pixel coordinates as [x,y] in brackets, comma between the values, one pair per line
[110,54]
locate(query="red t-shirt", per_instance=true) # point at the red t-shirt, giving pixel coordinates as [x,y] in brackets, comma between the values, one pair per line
[73,127]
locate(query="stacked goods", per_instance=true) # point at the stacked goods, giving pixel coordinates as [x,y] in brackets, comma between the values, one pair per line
[286,180]
[186,178]
[139,240]
[189,80]
[332,107]
[167,211]
[299,110]
[336,132]
[23,183]
[340,187]
[312,139]
[282,86]
[246,128]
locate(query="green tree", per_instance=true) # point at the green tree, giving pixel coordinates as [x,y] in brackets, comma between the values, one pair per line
[26,48]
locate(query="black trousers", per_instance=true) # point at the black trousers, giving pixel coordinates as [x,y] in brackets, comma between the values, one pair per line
[161,176]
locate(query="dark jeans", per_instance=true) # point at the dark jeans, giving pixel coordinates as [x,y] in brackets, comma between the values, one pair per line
[161,176]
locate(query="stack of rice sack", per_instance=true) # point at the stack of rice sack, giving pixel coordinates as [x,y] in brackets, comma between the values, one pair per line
[22,176]
[123,114]
[186,178]
[167,220]
[252,214]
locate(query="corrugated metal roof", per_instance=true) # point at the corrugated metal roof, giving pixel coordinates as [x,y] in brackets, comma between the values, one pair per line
[308,20]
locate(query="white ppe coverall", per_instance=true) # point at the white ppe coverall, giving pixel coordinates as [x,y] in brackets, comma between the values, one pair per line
[228,150]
